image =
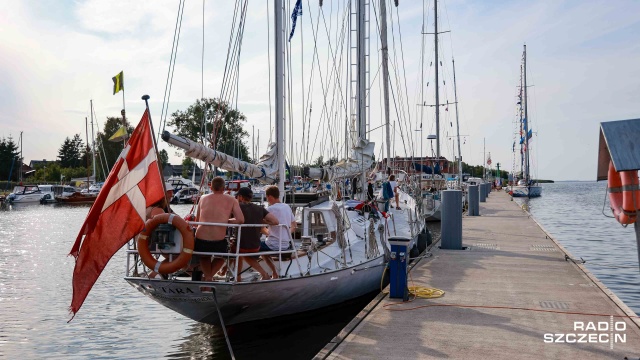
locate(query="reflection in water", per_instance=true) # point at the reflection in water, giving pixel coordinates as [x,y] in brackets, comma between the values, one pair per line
[292,337]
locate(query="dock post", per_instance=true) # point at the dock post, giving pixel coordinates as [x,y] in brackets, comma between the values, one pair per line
[483,192]
[474,200]
[488,187]
[451,223]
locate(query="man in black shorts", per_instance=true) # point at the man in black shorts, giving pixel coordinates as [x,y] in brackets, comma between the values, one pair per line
[250,236]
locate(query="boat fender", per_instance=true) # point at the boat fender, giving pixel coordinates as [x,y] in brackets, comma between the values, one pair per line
[166,267]
[624,194]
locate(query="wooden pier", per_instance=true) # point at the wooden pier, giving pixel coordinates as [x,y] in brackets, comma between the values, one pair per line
[511,295]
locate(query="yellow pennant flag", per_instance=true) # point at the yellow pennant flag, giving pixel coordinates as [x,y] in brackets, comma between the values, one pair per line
[118,82]
[119,135]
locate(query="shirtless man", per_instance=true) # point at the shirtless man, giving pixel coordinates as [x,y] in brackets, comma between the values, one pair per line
[215,208]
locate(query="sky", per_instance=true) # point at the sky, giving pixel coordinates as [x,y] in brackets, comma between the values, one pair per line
[582,60]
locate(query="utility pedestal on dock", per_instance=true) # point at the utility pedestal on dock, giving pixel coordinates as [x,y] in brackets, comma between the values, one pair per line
[451,220]
[474,200]
[398,267]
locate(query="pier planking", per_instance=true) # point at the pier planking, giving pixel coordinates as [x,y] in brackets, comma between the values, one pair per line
[511,262]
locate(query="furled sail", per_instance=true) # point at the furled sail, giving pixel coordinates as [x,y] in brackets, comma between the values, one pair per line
[360,161]
[265,171]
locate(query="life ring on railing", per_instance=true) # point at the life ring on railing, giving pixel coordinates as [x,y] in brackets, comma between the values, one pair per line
[624,194]
[166,267]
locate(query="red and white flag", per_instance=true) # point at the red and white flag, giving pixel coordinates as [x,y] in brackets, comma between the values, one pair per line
[118,213]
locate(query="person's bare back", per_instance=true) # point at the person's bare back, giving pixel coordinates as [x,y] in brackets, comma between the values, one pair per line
[217,208]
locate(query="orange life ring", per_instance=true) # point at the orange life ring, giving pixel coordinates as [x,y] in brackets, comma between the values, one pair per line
[624,194]
[166,267]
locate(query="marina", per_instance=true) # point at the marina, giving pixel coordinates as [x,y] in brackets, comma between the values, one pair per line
[398,209]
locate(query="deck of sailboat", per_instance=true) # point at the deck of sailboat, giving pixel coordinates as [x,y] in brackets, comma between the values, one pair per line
[517,286]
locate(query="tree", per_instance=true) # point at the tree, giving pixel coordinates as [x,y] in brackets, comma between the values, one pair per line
[187,166]
[163,158]
[111,149]
[319,162]
[70,152]
[9,159]
[229,133]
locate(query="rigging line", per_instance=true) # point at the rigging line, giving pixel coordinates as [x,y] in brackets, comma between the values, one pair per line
[171,57]
[173,68]
[324,89]
[104,165]
[395,105]
[202,60]
[269,67]
[332,52]
[404,73]
[231,71]
[310,103]
[400,114]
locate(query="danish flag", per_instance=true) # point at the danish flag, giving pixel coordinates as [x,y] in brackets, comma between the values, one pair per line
[118,213]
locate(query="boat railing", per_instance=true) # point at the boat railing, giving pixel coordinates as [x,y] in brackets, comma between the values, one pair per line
[235,255]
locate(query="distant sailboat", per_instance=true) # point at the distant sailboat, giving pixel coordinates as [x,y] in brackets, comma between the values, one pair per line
[525,186]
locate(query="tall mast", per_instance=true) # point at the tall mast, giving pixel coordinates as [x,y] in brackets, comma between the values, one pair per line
[385,74]
[279,92]
[93,144]
[455,94]
[361,78]
[435,35]
[21,160]
[86,130]
[526,121]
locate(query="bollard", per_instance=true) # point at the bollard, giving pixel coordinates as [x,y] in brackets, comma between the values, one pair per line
[488,188]
[474,200]
[451,223]
[483,192]
[398,267]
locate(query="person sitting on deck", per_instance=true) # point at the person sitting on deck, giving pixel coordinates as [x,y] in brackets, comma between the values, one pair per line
[216,207]
[250,236]
[278,238]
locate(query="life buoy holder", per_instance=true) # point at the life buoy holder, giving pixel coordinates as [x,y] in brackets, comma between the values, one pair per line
[166,267]
[624,194]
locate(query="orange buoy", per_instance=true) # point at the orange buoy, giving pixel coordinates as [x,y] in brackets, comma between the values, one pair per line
[624,194]
[166,267]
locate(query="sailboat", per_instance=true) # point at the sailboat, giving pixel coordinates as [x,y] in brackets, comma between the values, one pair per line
[525,186]
[340,252]
[78,197]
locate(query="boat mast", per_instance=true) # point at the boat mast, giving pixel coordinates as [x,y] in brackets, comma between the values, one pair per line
[455,94]
[385,75]
[526,121]
[435,35]
[279,92]
[93,144]
[86,130]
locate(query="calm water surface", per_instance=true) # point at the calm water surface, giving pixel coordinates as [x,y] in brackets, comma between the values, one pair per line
[117,321]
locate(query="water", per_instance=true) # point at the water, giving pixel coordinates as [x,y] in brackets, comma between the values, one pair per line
[572,212]
[117,321]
